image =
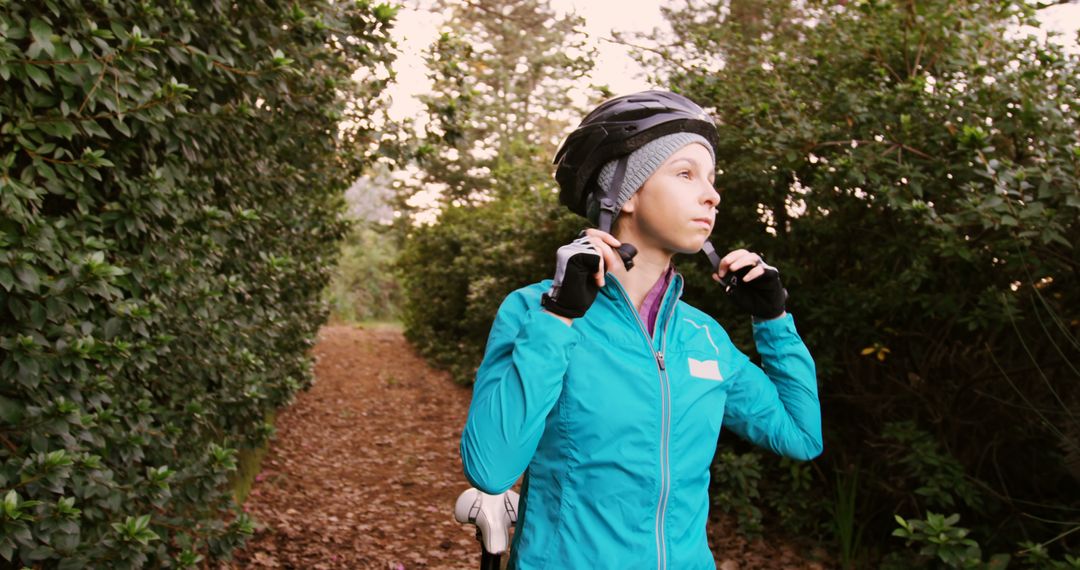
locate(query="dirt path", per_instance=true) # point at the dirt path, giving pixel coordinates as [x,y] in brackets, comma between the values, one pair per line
[364,470]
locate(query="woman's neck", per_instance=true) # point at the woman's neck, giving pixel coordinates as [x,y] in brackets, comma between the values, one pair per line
[649,266]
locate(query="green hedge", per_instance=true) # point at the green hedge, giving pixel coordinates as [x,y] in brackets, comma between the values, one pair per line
[171,177]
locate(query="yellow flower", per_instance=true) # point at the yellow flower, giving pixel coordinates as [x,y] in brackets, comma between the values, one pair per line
[877,349]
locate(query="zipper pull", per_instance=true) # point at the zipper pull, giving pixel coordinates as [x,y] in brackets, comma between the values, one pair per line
[660,360]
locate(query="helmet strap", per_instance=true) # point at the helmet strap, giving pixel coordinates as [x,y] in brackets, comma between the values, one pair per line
[607,200]
[710,252]
[607,211]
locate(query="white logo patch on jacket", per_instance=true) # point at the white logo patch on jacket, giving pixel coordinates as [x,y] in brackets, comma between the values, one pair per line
[707,369]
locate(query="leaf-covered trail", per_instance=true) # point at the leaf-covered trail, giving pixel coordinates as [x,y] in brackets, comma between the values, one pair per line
[364,469]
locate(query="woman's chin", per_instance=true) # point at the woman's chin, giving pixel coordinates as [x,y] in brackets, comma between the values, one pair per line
[692,245]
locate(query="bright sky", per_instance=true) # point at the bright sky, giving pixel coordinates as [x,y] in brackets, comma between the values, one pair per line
[417,27]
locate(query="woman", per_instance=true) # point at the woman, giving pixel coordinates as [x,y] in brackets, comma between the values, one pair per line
[605,389]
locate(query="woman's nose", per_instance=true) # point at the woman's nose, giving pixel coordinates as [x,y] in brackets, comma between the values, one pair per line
[711,196]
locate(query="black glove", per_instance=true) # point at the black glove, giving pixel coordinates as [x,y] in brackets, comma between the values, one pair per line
[764,297]
[574,288]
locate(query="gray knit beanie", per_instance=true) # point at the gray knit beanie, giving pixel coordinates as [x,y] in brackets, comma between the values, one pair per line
[640,165]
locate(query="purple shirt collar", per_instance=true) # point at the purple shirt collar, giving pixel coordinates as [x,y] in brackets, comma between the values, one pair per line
[650,307]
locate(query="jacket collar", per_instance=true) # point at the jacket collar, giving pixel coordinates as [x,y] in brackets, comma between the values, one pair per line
[614,290]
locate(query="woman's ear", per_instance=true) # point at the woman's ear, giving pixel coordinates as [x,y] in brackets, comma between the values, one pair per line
[630,204]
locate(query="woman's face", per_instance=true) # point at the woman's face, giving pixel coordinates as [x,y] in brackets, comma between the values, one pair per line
[676,207]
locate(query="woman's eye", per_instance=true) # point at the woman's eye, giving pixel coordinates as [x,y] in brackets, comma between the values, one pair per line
[685,172]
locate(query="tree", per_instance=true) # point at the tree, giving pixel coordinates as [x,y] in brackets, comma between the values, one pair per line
[503,74]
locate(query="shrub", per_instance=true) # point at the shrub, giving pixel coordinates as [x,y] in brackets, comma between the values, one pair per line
[764,491]
[921,468]
[734,488]
[945,543]
[170,191]
[477,255]
[364,286]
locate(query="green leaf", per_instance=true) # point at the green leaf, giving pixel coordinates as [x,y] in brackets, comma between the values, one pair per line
[37,314]
[385,12]
[112,326]
[27,276]
[11,412]
[35,73]
[40,30]
[40,553]
[37,47]
[29,371]
[119,125]
[92,127]
[64,128]
[7,279]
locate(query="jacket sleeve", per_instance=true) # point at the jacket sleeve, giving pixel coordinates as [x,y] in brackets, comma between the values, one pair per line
[517,385]
[777,408]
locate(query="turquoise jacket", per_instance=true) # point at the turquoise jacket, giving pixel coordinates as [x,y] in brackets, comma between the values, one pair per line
[615,430]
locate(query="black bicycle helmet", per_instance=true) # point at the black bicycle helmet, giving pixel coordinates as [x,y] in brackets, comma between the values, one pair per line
[616,128]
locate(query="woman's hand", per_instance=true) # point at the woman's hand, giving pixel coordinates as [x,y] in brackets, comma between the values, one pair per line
[752,284]
[579,273]
[604,243]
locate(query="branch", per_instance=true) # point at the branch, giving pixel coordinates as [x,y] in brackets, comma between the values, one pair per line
[666,57]
[498,14]
[47,159]
[216,63]
[42,62]
[895,146]
[881,59]
[1051,4]
[8,444]
[104,68]
[79,118]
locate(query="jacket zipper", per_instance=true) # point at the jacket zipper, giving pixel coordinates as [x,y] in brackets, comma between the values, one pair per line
[665,412]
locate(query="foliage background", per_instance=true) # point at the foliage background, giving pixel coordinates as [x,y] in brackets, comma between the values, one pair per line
[914,168]
[170,177]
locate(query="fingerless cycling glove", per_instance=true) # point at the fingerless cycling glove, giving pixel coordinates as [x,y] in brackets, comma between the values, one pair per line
[763,297]
[574,288]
